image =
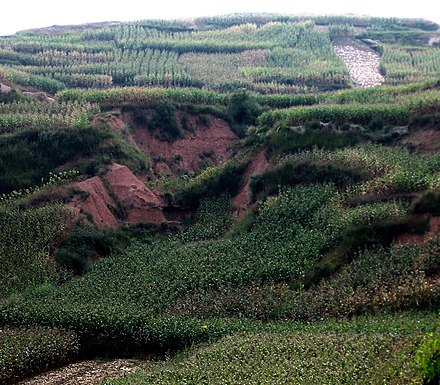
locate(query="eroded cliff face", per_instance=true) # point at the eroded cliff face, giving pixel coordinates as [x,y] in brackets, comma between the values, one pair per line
[118,197]
[199,144]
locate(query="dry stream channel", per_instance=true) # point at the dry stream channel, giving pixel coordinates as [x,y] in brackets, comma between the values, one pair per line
[362,62]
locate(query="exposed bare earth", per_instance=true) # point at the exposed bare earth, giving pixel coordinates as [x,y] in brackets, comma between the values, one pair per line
[426,140]
[141,203]
[362,62]
[94,202]
[96,198]
[243,199]
[434,39]
[86,372]
[434,230]
[186,153]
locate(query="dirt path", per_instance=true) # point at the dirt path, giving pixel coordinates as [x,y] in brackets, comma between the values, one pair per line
[86,372]
[362,62]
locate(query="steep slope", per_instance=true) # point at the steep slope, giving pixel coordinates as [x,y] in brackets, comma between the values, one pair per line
[203,140]
[117,197]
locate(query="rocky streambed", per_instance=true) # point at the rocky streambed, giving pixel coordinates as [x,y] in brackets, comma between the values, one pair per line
[362,62]
[90,372]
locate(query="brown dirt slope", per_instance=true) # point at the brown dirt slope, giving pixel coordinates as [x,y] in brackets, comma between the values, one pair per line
[94,202]
[424,140]
[123,190]
[197,148]
[86,372]
[141,203]
[243,199]
[434,230]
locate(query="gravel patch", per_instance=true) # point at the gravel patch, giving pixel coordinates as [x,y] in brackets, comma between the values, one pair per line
[362,62]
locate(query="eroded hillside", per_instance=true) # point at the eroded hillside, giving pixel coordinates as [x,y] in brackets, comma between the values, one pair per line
[217,193]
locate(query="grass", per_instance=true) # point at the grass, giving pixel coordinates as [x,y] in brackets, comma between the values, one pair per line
[290,173]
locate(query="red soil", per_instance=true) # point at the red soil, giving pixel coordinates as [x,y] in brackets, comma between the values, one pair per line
[141,204]
[434,226]
[95,203]
[184,153]
[412,239]
[110,119]
[242,199]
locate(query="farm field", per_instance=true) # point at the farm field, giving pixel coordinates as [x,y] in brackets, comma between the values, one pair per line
[236,199]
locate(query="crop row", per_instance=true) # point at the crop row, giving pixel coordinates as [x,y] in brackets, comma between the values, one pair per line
[122,66]
[286,358]
[27,237]
[139,95]
[119,299]
[20,116]
[40,82]
[67,107]
[391,170]
[397,112]
[403,65]
[354,113]
[24,352]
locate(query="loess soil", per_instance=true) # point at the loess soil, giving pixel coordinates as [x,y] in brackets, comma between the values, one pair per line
[119,196]
[243,198]
[197,148]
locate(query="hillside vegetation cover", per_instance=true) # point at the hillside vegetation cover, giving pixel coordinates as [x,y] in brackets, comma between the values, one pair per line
[328,273]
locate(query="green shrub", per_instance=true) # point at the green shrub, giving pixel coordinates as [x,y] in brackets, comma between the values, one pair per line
[376,124]
[29,156]
[361,237]
[427,360]
[428,202]
[185,122]
[140,116]
[203,120]
[164,120]
[243,110]
[10,97]
[292,173]
[86,245]
[284,140]
[213,181]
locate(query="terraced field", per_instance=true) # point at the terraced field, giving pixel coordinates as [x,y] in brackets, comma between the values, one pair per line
[239,199]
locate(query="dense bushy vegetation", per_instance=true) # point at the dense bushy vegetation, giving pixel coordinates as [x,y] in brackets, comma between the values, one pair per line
[27,238]
[24,352]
